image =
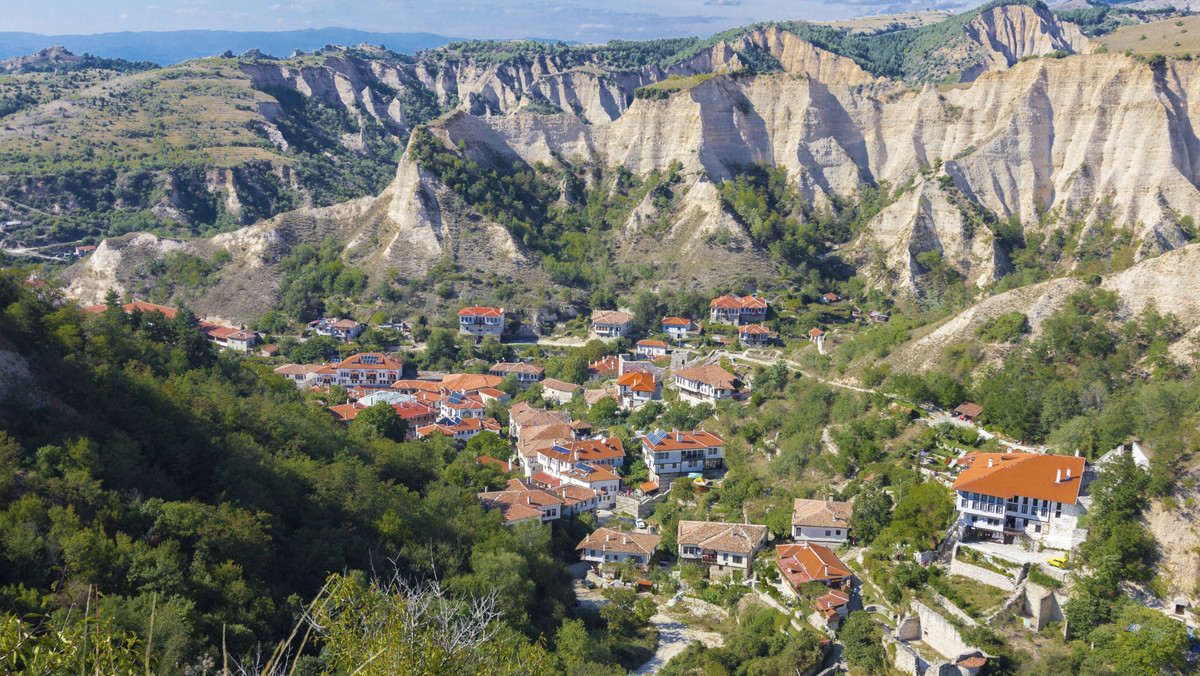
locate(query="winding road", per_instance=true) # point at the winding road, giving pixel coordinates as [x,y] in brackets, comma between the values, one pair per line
[673,637]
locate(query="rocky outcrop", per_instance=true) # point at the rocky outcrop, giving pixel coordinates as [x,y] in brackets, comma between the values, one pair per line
[1002,36]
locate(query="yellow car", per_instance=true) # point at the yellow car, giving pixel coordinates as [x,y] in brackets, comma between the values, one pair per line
[1058,562]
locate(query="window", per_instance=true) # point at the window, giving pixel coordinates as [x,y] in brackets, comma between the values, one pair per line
[1057,509]
[1037,528]
[828,533]
[837,532]
[736,559]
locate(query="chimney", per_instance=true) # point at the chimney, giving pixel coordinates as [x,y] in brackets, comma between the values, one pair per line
[1077,453]
[1058,477]
[990,462]
[625,540]
[1068,473]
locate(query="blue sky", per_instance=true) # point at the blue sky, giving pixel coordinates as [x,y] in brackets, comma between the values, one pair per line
[582,20]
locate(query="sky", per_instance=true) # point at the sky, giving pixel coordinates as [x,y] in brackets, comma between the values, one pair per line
[579,20]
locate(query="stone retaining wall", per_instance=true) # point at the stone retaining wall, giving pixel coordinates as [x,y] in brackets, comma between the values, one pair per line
[988,577]
[938,632]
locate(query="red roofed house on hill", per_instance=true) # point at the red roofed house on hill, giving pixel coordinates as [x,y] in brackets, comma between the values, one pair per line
[821,521]
[670,455]
[366,369]
[737,311]
[1003,496]
[605,545]
[638,389]
[611,323]
[810,562]
[344,330]
[724,546]
[705,384]
[522,500]
[589,464]
[652,348]
[754,335]
[526,374]
[680,328]
[481,321]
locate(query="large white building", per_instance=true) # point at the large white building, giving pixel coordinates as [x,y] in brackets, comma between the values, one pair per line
[611,323]
[670,455]
[481,321]
[1004,496]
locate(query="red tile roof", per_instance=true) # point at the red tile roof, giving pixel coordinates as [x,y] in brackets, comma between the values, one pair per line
[969,410]
[816,333]
[150,307]
[676,321]
[1028,475]
[638,382]
[823,513]
[607,317]
[676,440]
[609,363]
[370,361]
[345,412]
[745,302]
[412,409]
[620,542]
[808,562]
[479,311]
[469,382]
[754,328]
[652,343]
[559,386]
[592,450]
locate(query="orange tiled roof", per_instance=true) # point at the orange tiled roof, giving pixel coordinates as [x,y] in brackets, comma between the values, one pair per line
[150,307]
[676,440]
[815,333]
[970,410]
[488,460]
[638,382]
[815,562]
[745,303]
[381,362]
[652,343]
[587,451]
[469,382]
[753,328]
[479,311]
[345,412]
[1028,475]
[559,385]
[676,321]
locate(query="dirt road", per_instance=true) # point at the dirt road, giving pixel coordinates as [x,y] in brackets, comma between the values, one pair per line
[673,637]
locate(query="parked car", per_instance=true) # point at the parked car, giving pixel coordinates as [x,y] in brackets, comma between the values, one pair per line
[589,584]
[641,524]
[1058,562]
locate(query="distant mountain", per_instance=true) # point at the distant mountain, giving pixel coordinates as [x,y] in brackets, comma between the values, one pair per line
[167,47]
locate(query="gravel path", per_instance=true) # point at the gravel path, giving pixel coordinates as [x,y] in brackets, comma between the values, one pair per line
[673,637]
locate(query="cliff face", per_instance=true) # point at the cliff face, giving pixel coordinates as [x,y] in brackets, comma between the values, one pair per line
[1002,36]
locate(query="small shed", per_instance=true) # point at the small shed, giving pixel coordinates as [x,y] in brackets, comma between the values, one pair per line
[968,411]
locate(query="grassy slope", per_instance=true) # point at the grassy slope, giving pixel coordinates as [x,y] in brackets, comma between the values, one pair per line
[1172,37]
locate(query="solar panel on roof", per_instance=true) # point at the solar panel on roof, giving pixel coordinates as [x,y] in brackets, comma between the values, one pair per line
[656,437]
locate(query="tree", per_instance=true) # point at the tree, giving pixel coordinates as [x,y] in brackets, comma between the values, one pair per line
[921,517]
[605,411]
[441,350]
[380,422]
[573,644]
[872,514]
[861,637]
[574,369]
[620,612]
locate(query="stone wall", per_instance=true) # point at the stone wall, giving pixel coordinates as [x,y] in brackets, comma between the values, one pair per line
[979,574]
[938,633]
[903,657]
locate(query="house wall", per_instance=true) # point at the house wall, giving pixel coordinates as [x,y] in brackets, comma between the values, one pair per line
[817,534]
[903,658]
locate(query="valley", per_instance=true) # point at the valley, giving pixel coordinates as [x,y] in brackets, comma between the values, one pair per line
[863,347]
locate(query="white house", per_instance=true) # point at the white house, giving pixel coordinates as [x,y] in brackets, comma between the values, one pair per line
[561,392]
[652,348]
[481,321]
[821,521]
[342,329]
[670,455]
[1004,496]
[638,389]
[680,328]
[605,545]
[526,374]
[366,369]
[611,323]
[754,335]
[724,546]
[737,311]
[304,375]
[705,384]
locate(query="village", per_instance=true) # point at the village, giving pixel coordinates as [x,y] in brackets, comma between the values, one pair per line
[1006,547]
